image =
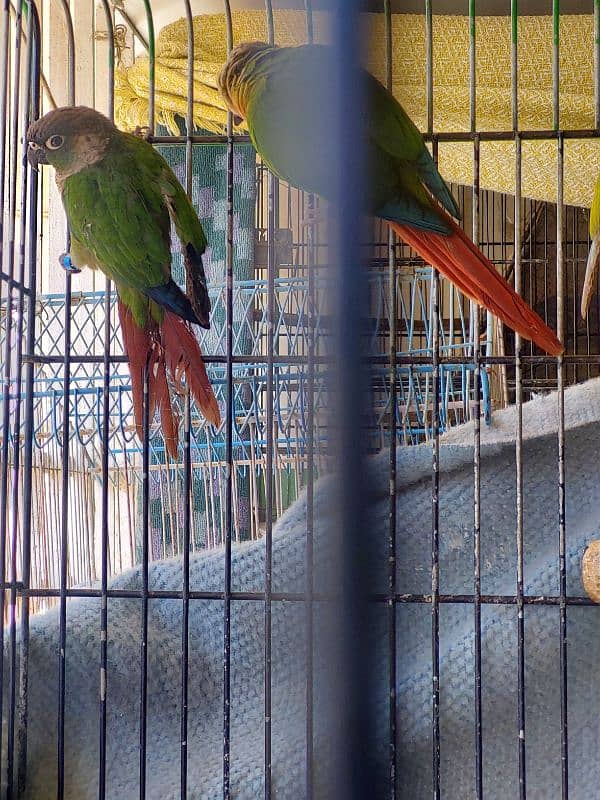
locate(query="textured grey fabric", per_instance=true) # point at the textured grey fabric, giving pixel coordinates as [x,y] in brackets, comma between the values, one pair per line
[498,556]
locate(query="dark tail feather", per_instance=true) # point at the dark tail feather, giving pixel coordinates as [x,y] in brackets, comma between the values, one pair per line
[170,297]
[184,361]
[195,284]
[142,347]
[459,260]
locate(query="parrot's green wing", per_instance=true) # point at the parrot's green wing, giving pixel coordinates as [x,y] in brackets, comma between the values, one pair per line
[392,130]
[117,213]
[287,104]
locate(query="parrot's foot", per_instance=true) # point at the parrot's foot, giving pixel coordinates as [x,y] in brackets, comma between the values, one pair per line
[67,264]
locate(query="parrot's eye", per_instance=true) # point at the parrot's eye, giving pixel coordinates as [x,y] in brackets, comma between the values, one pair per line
[34,146]
[54,142]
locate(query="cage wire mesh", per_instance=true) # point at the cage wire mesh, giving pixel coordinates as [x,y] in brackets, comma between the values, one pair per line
[83,500]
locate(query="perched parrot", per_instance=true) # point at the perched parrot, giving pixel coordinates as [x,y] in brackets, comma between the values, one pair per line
[278,91]
[120,196]
[593,261]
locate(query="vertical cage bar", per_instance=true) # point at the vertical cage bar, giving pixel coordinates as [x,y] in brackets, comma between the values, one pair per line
[64,527]
[435,420]
[187,455]
[435,533]
[144,582]
[352,656]
[429,64]
[104,544]
[146,473]
[228,438]
[272,190]
[477,500]
[187,526]
[560,329]
[151,66]
[18,400]
[34,41]
[393,378]
[597,63]
[310,455]
[474,309]
[562,565]
[105,445]
[555,64]
[514,63]
[519,409]
[472,66]
[7,242]
[519,490]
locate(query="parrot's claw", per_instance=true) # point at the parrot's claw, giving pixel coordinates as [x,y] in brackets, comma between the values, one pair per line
[67,264]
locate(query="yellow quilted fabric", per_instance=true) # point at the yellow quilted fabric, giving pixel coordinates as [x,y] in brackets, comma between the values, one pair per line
[451,87]
[210,52]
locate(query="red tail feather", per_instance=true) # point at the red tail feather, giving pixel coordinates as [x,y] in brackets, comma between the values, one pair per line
[459,260]
[184,360]
[170,348]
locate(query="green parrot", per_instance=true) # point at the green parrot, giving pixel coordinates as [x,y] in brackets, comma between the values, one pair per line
[120,196]
[593,261]
[279,92]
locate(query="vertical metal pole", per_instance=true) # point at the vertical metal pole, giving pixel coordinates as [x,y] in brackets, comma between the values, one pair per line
[555,64]
[477,421]
[187,524]
[144,581]
[228,440]
[34,41]
[435,534]
[66,420]
[272,190]
[519,407]
[477,504]
[104,533]
[351,658]
[310,476]
[560,330]
[7,260]
[151,66]
[393,397]
[429,64]
[146,475]
[187,456]
[435,423]
[16,384]
[560,300]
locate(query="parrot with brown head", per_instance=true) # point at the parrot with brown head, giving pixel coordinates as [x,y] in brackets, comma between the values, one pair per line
[120,197]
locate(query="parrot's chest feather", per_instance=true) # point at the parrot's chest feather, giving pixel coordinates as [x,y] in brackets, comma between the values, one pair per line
[87,149]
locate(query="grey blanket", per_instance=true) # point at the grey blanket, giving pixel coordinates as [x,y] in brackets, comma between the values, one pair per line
[498,552]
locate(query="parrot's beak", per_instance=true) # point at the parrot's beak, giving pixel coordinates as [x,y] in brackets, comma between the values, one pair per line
[237,120]
[36,156]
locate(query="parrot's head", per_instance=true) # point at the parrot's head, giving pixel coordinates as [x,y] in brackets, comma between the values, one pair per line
[69,139]
[236,76]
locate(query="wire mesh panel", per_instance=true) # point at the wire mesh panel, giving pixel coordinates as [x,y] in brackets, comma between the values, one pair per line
[361,582]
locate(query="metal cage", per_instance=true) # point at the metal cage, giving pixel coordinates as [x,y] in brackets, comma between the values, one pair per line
[331,342]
